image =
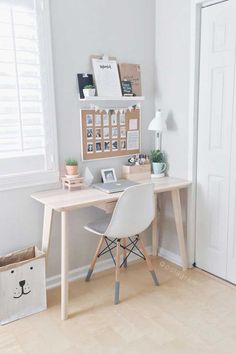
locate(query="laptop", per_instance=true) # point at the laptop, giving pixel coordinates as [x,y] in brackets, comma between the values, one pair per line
[115,187]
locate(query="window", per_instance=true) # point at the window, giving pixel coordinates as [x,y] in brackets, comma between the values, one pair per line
[28,153]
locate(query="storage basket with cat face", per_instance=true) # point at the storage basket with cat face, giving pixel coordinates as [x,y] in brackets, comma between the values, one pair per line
[22,284]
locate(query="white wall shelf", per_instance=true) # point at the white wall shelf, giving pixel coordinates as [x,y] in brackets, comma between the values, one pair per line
[121,99]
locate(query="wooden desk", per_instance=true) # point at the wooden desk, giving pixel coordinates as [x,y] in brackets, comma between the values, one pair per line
[63,201]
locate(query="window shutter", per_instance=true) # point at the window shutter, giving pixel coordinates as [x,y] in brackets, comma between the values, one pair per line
[23,114]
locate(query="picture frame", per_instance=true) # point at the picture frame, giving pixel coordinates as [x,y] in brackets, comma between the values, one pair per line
[108,175]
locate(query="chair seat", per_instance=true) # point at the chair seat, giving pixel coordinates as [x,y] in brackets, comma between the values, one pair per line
[99,226]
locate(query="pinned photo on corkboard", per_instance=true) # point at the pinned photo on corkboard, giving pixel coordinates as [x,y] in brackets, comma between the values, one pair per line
[90,148]
[89,133]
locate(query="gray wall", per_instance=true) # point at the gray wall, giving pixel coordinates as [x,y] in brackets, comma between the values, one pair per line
[172,96]
[125,29]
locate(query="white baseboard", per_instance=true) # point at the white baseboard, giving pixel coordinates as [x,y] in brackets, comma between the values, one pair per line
[170,256]
[81,272]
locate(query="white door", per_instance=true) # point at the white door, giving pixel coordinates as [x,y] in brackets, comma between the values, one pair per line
[216,102]
[231,261]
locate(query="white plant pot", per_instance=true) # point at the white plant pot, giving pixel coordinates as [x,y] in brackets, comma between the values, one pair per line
[89,92]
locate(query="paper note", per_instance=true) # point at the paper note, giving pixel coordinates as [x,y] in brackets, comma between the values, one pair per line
[133,140]
[107,77]
[133,124]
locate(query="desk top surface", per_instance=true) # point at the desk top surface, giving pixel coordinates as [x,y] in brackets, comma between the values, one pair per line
[59,199]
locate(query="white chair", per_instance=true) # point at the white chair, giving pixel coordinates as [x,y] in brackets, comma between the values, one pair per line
[132,215]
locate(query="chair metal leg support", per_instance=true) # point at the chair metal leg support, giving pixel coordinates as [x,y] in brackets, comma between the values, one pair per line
[149,263]
[117,280]
[90,271]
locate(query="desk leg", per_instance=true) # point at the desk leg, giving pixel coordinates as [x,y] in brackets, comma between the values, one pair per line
[64,266]
[47,226]
[179,227]
[154,230]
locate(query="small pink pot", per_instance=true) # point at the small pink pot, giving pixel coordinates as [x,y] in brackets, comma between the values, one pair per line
[71,170]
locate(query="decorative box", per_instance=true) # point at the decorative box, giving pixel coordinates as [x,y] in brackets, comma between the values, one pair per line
[136,172]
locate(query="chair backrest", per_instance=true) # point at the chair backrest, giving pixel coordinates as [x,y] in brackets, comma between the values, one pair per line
[133,213]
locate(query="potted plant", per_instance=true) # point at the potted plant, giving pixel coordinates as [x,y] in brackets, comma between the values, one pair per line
[88,91]
[158,162]
[71,167]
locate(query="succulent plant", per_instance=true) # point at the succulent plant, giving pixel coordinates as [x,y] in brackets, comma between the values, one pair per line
[157,156]
[71,162]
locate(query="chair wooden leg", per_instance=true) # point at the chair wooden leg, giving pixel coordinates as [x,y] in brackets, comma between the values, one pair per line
[124,253]
[149,263]
[90,271]
[117,278]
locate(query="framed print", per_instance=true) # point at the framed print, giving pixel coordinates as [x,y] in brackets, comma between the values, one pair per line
[108,175]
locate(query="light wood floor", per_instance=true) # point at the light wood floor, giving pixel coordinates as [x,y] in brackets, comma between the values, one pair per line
[190,313]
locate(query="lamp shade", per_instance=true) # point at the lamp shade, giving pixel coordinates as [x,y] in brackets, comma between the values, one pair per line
[156,123]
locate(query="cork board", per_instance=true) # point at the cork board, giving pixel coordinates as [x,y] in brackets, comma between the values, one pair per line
[110,133]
